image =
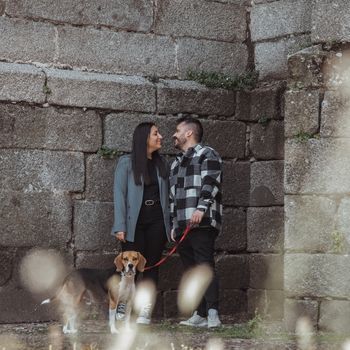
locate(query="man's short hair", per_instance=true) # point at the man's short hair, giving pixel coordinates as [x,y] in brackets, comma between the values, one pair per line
[195,125]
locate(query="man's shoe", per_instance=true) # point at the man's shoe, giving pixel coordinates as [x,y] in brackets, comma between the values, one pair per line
[195,321]
[213,318]
[120,315]
[145,315]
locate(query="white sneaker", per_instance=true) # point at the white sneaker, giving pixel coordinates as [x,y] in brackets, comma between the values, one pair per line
[145,315]
[195,321]
[213,318]
[120,316]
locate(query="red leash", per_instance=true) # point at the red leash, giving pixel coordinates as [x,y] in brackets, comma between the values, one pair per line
[172,251]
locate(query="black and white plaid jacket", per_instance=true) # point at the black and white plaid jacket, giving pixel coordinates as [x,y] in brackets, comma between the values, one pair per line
[195,183]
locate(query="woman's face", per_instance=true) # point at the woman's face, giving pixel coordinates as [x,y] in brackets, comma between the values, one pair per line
[154,141]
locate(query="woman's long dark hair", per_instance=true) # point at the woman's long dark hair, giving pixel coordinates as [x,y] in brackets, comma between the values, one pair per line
[139,155]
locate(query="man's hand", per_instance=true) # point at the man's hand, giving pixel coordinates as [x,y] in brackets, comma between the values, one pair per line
[172,235]
[196,217]
[120,236]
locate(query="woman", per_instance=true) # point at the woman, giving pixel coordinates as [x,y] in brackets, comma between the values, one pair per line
[141,213]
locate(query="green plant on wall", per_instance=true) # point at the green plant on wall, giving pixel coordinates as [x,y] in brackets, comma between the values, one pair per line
[338,241]
[303,136]
[108,153]
[264,120]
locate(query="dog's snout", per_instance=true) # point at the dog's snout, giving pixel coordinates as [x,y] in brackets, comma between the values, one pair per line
[130,265]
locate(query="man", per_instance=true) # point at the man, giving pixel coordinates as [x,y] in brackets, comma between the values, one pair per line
[195,199]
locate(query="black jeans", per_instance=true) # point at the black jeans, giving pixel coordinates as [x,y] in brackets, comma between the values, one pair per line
[198,248]
[150,239]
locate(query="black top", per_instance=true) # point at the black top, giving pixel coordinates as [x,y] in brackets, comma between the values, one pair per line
[151,190]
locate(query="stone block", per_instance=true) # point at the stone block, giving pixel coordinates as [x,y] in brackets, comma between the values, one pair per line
[117,52]
[174,96]
[170,273]
[206,20]
[265,229]
[261,103]
[305,67]
[93,223]
[127,15]
[319,275]
[232,271]
[109,91]
[93,260]
[34,127]
[2,7]
[329,21]
[232,301]
[7,259]
[210,56]
[236,183]
[99,178]
[295,309]
[266,183]
[267,141]
[233,236]
[280,18]
[334,316]
[341,236]
[170,304]
[266,271]
[21,82]
[310,223]
[266,303]
[29,37]
[301,112]
[37,171]
[317,166]
[271,57]
[334,115]
[35,219]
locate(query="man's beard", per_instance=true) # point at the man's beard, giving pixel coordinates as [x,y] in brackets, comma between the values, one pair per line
[178,143]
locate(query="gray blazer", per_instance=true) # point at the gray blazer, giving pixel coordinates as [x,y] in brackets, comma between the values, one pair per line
[128,199]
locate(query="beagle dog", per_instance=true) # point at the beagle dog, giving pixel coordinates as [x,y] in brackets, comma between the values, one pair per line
[86,283]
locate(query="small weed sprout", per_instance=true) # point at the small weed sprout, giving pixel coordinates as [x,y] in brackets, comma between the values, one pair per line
[255,325]
[303,136]
[264,120]
[108,153]
[46,90]
[338,241]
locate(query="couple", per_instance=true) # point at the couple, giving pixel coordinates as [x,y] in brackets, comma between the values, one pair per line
[142,220]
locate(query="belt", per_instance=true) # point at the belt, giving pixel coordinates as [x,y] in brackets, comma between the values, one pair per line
[150,202]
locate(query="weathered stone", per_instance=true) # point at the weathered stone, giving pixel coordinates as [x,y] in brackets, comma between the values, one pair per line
[310,223]
[335,115]
[317,166]
[319,275]
[305,67]
[170,273]
[93,260]
[236,183]
[93,222]
[267,141]
[6,262]
[260,104]
[233,235]
[271,57]
[266,271]
[301,112]
[210,56]
[329,21]
[280,18]
[37,171]
[128,15]
[238,268]
[334,316]
[208,20]
[29,37]
[21,82]
[73,88]
[267,303]
[117,52]
[174,96]
[99,178]
[2,7]
[265,228]
[295,309]
[266,183]
[341,236]
[35,219]
[232,301]
[34,127]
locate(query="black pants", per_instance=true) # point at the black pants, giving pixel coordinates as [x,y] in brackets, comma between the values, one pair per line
[150,238]
[198,248]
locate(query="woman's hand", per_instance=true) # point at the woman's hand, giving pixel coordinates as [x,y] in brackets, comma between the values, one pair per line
[120,236]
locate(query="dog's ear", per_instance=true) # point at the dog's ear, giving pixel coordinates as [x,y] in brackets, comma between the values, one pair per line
[142,263]
[118,262]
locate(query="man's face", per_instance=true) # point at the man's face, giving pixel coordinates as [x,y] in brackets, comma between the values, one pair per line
[180,136]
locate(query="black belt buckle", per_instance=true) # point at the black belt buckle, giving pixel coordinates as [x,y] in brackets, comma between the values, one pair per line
[149,202]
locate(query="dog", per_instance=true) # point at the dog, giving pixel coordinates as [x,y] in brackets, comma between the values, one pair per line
[86,283]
